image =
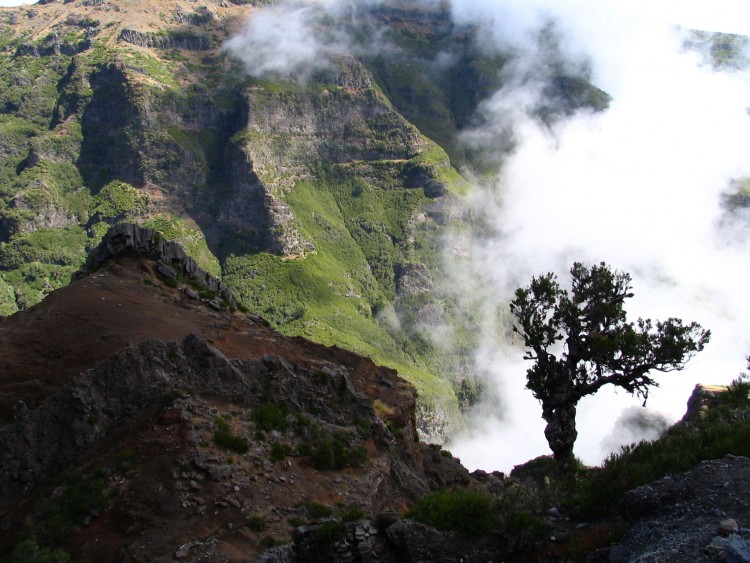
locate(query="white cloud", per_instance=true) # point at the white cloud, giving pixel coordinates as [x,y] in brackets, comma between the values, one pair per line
[637,186]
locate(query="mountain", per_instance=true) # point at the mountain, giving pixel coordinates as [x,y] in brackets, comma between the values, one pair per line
[319,200]
[139,415]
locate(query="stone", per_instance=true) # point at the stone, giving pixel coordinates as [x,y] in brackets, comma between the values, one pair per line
[728,526]
[738,551]
[166,271]
[220,472]
[191,293]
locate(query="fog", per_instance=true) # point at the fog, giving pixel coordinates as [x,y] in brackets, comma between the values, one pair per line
[638,186]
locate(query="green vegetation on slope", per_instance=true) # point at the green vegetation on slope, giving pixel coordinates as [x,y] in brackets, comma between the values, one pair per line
[333,296]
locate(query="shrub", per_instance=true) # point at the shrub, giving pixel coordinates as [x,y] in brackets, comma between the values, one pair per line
[224,438]
[724,430]
[279,451]
[268,417]
[329,533]
[29,550]
[527,528]
[738,390]
[257,523]
[296,521]
[336,454]
[469,512]
[80,495]
[352,514]
[317,510]
[323,456]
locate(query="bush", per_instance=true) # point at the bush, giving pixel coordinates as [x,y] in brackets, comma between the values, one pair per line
[29,551]
[257,523]
[317,510]
[329,533]
[336,454]
[279,451]
[738,390]
[469,512]
[724,430]
[268,417]
[80,495]
[352,514]
[224,438]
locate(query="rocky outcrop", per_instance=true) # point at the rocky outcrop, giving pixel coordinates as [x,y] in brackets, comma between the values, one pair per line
[699,515]
[343,119]
[126,238]
[44,441]
[702,399]
[52,46]
[166,41]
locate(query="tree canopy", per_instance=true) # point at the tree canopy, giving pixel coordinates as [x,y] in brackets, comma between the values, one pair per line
[581,340]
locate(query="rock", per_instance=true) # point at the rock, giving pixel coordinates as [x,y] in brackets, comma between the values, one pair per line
[233,501]
[127,238]
[182,551]
[166,271]
[717,547]
[161,41]
[190,292]
[728,527]
[220,472]
[703,398]
[738,551]
[674,518]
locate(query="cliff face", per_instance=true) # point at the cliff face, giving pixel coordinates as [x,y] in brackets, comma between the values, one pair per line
[312,200]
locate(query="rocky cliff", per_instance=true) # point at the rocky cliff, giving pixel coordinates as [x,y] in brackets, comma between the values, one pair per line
[140,422]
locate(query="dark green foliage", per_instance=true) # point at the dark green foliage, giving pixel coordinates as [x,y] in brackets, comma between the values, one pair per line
[280,451]
[336,454]
[256,523]
[268,417]
[468,393]
[317,510]
[527,527]
[724,430]
[224,438]
[323,456]
[738,391]
[329,533]
[320,377]
[469,512]
[295,521]
[352,514]
[28,551]
[600,346]
[364,427]
[61,513]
